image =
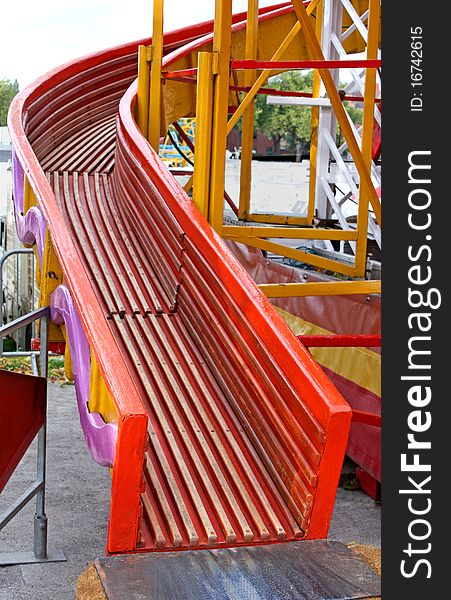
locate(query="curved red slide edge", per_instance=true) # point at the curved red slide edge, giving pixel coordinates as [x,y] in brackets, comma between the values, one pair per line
[334,412]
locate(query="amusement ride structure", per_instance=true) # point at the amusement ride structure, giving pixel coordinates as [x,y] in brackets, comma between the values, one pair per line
[187,339]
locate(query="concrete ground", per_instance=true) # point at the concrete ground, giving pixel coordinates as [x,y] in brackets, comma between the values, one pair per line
[77,508]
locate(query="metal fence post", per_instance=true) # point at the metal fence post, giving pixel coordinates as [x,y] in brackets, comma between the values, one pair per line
[40,518]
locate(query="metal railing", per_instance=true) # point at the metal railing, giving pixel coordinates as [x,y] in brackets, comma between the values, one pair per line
[39,553]
[17,252]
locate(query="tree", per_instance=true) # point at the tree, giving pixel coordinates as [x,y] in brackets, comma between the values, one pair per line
[356,113]
[8,89]
[290,123]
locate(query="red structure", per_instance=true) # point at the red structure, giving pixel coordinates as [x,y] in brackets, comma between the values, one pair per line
[22,395]
[224,430]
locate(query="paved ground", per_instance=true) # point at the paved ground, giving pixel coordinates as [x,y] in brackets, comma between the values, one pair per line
[77,508]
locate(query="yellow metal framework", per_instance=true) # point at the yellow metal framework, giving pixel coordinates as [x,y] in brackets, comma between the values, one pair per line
[320,288]
[213,126]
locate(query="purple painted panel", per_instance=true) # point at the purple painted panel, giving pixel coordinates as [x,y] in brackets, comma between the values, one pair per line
[31,227]
[18,182]
[100,436]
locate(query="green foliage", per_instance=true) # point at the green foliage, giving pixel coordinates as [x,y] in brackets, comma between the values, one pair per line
[8,89]
[355,113]
[291,123]
[22,364]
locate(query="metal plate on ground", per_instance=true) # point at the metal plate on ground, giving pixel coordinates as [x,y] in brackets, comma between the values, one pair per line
[26,558]
[310,570]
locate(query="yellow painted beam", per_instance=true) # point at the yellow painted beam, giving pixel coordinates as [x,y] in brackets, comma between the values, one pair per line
[50,268]
[189,184]
[277,219]
[320,288]
[154,121]
[68,370]
[332,92]
[142,98]
[48,274]
[312,259]
[202,156]
[100,399]
[29,198]
[222,40]
[311,233]
[247,133]
[37,269]
[51,278]
[315,123]
[367,136]
[264,75]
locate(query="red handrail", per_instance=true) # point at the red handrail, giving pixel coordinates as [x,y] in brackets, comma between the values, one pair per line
[347,341]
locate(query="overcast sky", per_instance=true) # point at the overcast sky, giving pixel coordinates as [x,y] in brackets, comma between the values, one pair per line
[38,35]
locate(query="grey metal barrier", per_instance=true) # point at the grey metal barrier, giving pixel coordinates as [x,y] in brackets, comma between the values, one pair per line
[39,553]
[17,252]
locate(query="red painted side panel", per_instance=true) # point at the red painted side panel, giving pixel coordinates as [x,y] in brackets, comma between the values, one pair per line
[364,444]
[55,347]
[22,411]
[377,138]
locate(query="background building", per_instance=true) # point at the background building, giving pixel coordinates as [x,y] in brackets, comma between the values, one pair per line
[18,271]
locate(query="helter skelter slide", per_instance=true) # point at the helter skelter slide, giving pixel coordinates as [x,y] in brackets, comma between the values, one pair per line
[218,425]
